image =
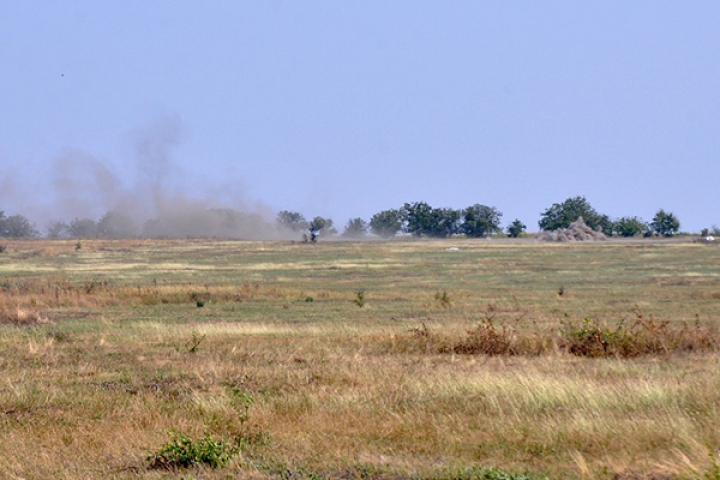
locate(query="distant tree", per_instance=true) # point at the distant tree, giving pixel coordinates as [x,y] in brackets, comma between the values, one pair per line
[56,229]
[292,220]
[561,215]
[665,223]
[516,228]
[355,228]
[116,225]
[83,228]
[422,219]
[446,222]
[480,221]
[387,223]
[418,217]
[630,226]
[17,226]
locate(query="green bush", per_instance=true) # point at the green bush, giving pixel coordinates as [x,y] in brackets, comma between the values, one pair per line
[182,452]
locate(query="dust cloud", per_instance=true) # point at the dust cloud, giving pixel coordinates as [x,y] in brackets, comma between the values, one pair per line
[83,195]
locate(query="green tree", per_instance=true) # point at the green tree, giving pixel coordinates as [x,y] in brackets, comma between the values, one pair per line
[387,223]
[516,228]
[480,221]
[630,226]
[422,219]
[561,215]
[355,228]
[17,226]
[418,217]
[291,220]
[665,223]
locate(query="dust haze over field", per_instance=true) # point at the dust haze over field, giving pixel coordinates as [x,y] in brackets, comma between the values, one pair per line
[80,185]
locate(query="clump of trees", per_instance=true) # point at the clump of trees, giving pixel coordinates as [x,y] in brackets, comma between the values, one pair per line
[16,226]
[417,219]
[561,215]
[420,219]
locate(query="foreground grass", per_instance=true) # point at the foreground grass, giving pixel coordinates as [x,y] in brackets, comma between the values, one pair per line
[105,351]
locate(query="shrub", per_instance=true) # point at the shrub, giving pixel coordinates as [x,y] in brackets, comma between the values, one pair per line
[641,337]
[183,452]
[487,339]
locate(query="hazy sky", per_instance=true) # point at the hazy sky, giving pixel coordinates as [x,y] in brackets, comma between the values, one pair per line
[344,109]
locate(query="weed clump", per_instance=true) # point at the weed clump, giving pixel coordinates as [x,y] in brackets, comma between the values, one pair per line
[359,299]
[489,473]
[442,299]
[184,452]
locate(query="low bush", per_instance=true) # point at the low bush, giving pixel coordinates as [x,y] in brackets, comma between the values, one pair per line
[183,452]
[641,337]
[590,338]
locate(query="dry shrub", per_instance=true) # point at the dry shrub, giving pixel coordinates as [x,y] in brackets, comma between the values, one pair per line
[578,231]
[485,339]
[641,337]
[589,339]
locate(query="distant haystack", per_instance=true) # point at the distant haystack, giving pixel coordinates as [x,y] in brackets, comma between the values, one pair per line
[578,231]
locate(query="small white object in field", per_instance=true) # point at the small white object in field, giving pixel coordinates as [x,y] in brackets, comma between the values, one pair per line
[709,238]
[452,249]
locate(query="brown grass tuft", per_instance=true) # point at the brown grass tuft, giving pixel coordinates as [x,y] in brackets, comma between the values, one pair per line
[20,316]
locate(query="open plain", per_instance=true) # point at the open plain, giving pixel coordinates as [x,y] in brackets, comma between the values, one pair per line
[400,359]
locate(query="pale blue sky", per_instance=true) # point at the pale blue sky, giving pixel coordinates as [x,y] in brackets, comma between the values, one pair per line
[344,109]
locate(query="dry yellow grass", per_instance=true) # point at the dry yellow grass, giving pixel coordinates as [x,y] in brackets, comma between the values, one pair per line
[127,356]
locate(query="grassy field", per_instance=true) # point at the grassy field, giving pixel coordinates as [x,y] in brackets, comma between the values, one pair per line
[405,359]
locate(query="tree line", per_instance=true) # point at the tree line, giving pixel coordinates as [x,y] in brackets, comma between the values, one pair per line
[418,219]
